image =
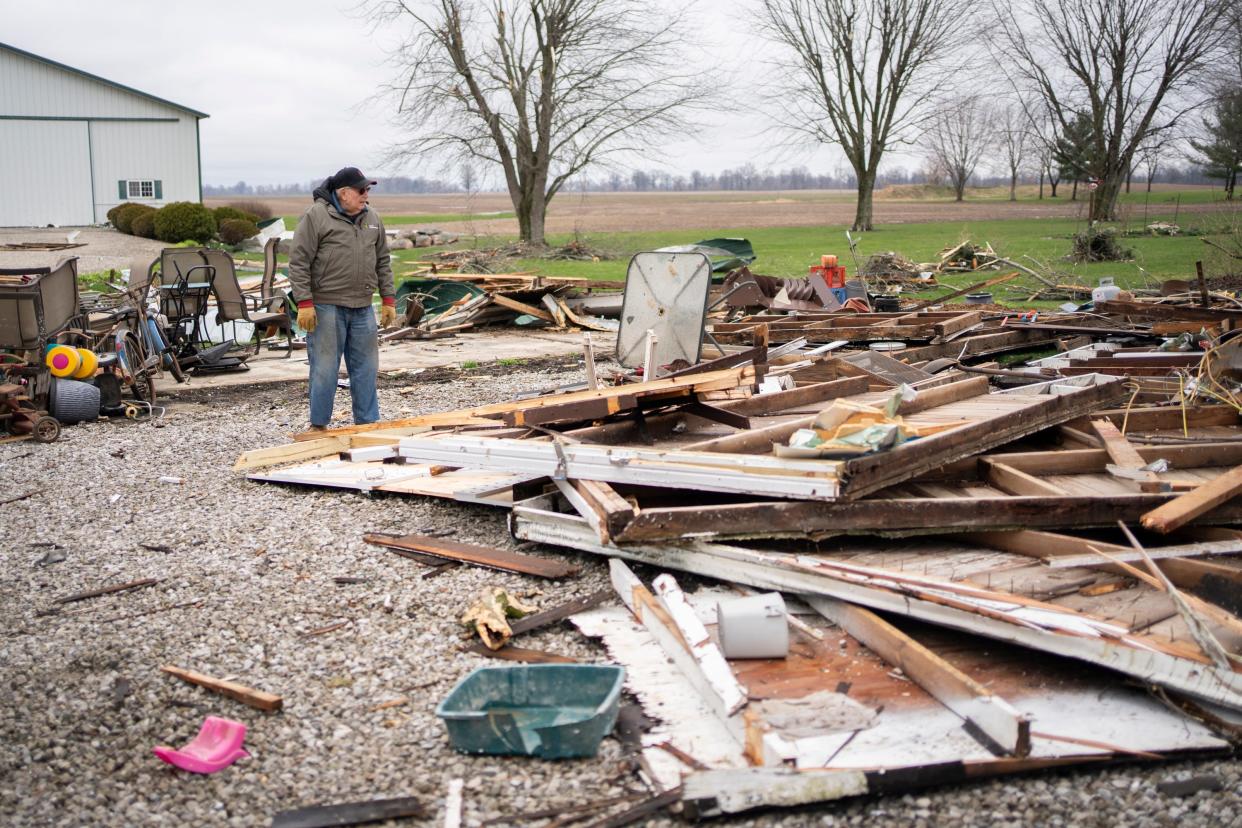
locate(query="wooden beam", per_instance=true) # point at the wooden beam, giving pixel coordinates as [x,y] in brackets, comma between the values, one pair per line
[501,559]
[715,380]
[894,516]
[944,394]
[1182,510]
[305,450]
[1017,482]
[257,699]
[988,713]
[1093,461]
[521,307]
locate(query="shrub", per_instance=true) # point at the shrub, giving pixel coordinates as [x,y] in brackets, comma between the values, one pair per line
[258,209]
[184,220]
[112,213]
[235,231]
[125,216]
[224,214]
[143,224]
[1099,244]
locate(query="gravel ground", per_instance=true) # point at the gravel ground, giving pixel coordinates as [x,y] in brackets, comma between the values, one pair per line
[246,569]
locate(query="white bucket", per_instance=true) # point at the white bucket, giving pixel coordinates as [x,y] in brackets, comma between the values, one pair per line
[754,627]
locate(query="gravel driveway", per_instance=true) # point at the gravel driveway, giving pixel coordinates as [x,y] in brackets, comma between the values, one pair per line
[246,569]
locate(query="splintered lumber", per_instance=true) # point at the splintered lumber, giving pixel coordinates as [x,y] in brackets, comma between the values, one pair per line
[520,654]
[484,556]
[521,307]
[1151,310]
[1182,510]
[108,590]
[349,813]
[713,381]
[257,699]
[989,714]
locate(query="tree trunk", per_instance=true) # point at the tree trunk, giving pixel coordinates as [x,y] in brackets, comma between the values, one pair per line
[1052,183]
[1104,199]
[1013,187]
[959,189]
[1041,185]
[1074,192]
[862,213]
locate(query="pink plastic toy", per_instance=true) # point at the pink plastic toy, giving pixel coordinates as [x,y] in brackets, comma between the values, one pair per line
[217,745]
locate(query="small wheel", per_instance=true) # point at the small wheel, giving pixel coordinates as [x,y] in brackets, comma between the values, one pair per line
[46,430]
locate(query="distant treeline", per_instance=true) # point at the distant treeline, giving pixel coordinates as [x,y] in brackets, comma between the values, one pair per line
[746,177]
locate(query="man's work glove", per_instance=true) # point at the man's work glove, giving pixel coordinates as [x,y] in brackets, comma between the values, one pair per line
[307,320]
[388,315]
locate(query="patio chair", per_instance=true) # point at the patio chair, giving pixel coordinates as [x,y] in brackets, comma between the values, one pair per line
[232,305]
[188,278]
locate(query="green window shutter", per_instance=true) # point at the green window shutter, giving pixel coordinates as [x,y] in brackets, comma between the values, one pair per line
[120,190]
[159,188]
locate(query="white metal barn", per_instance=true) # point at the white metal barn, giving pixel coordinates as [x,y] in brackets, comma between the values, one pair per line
[73,145]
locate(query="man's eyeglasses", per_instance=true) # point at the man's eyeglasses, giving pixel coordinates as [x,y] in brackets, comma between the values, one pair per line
[363,190]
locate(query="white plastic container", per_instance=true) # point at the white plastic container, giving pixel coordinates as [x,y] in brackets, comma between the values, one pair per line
[754,627]
[1106,292]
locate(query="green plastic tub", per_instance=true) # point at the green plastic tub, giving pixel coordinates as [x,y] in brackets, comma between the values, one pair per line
[553,711]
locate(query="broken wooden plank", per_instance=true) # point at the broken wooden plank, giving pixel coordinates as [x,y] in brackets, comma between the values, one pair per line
[258,699]
[519,654]
[350,813]
[721,693]
[1002,725]
[521,307]
[1017,482]
[893,516]
[487,415]
[1182,510]
[581,410]
[108,590]
[484,556]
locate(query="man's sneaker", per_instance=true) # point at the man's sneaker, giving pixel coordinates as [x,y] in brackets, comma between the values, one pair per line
[317,427]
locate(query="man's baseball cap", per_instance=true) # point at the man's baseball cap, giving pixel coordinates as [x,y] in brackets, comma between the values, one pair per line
[351,177]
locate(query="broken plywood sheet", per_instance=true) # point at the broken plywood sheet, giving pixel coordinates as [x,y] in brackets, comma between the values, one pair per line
[911,731]
[467,486]
[1177,665]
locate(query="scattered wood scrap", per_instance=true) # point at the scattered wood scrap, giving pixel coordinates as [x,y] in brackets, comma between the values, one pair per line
[350,813]
[258,699]
[108,590]
[487,557]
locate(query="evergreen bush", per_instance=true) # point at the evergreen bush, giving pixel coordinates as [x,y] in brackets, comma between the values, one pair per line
[183,221]
[124,218]
[235,231]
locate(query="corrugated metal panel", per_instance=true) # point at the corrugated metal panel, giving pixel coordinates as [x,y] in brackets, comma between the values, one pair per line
[46,170]
[157,151]
[31,88]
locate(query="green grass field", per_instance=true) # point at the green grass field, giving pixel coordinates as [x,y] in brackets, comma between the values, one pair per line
[789,251]
[1040,243]
[429,219]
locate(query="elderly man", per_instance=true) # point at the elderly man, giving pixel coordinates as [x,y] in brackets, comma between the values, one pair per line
[339,260]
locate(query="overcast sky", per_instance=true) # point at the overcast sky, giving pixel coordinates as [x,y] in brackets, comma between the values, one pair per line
[285,83]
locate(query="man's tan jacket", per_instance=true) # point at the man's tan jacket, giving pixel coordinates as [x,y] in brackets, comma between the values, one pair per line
[339,261]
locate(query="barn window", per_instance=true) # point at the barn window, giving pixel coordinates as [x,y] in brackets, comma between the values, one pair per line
[143,188]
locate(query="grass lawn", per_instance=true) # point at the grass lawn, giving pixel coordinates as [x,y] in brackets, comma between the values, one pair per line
[788,251]
[429,219]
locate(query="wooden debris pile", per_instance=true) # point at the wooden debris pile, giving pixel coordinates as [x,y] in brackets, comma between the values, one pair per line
[510,298]
[987,594]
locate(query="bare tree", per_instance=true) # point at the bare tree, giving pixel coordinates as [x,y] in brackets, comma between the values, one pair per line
[541,88]
[1013,139]
[1122,63]
[959,135]
[860,71]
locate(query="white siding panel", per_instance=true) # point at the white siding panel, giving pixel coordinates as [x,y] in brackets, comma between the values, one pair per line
[46,170]
[161,151]
[32,88]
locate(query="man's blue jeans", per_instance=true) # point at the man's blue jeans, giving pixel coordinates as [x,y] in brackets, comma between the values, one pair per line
[350,332]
